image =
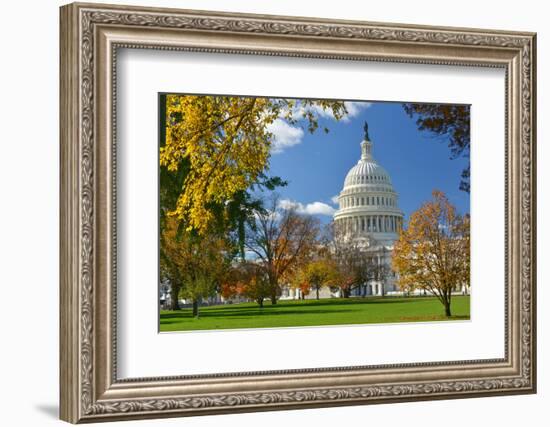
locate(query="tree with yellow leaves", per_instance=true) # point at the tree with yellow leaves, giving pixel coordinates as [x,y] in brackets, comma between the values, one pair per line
[433,252]
[316,274]
[223,143]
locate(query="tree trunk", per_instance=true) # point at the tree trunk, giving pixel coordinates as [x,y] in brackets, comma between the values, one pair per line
[273,285]
[448,308]
[195,308]
[317,289]
[174,293]
[260,302]
[274,295]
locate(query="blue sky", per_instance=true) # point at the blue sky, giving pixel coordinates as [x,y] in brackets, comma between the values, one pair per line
[315,165]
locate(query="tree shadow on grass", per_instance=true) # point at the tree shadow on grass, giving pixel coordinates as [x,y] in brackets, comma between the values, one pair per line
[353,301]
[178,316]
[281,305]
[297,309]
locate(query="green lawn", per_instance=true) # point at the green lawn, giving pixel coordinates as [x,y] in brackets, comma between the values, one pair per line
[315,312]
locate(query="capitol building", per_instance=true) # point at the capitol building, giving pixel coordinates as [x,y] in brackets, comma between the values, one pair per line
[368,218]
[368,206]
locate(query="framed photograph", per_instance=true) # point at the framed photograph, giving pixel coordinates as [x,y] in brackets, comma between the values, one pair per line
[266,213]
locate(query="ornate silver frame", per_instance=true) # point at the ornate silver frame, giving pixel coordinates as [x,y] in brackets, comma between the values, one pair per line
[90,36]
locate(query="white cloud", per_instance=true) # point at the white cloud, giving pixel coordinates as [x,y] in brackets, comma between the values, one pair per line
[315,208]
[355,108]
[285,135]
[319,208]
[334,199]
[322,112]
[271,215]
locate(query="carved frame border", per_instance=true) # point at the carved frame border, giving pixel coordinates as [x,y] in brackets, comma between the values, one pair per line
[90,36]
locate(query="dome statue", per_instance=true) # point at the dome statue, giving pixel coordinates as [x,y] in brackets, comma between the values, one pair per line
[366,129]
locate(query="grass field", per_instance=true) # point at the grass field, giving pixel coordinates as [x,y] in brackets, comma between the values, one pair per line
[315,312]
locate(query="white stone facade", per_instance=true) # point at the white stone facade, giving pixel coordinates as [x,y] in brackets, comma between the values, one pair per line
[368,203]
[369,216]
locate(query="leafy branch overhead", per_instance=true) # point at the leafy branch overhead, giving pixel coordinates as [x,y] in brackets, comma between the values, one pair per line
[224,143]
[451,122]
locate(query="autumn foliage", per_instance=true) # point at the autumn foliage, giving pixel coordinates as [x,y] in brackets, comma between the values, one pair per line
[194,265]
[316,274]
[282,241]
[214,154]
[224,142]
[433,252]
[246,279]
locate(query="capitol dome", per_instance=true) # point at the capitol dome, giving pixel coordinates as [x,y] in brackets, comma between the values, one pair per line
[366,170]
[368,202]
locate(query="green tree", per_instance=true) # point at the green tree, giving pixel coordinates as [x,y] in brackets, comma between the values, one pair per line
[194,265]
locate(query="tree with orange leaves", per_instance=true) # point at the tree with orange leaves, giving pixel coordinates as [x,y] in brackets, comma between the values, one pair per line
[281,240]
[433,252]
[247,279]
